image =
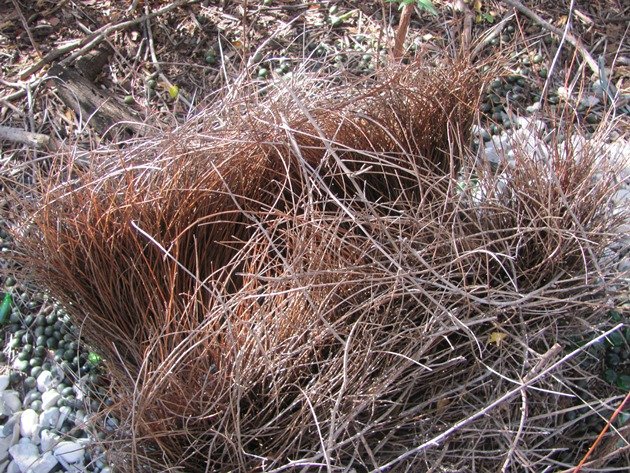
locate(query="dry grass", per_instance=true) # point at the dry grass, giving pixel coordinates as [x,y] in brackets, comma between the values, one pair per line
[308,288]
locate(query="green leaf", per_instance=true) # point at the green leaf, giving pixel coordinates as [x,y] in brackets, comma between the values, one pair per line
[623,381]
[428,6]
[173,91]
[5,308]
[488,17]
[94,358]
[614,315]
[616,339]
[610,376]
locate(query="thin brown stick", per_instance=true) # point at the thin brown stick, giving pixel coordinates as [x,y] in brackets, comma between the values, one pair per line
[401,32]
[26,28]
[602,433]
[572,40]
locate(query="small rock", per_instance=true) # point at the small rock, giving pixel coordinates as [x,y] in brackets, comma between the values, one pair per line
[11,401]
[71,452]
[11,429]
[5,444]
[45,381]
[64,412]
[50,398]
[622,197]
[589,101]
[48,440]
[29,423]
[4,381]
[44,464]
[534,107]
[598,89]
[563,93]
[49,417]
[24,455]
[13,468]
[58,374]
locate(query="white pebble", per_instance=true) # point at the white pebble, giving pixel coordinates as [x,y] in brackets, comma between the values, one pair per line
[44,464]
[4,381]
[13,468]
[11,401]
[71,452]
[45,381]
[48,440]
[11,429]
[24,455]
[64,412]
[49,417]
[50,398]
[29,423]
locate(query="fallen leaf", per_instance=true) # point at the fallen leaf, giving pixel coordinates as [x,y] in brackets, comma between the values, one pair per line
[173,91]
[497,337]
[442,404]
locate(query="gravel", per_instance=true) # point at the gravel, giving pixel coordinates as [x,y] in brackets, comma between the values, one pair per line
[45,396]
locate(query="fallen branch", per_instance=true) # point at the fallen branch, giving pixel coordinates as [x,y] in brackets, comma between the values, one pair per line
[572,40]
[29,138]
[50,57]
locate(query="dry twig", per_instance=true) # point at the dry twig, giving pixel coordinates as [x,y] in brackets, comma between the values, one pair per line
[29,138]
[570,38]
[91,41]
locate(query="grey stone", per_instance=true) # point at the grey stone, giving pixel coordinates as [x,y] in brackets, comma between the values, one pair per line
[64,412]
[49,417]
[11,430]
[24,455]
[13,468]
[45,381]
[71,452]
[11,401]
[5,444]
[44,464]
[48,440]
[4,381]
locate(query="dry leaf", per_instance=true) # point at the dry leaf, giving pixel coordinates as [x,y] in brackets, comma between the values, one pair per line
[442,404]
[497,337]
